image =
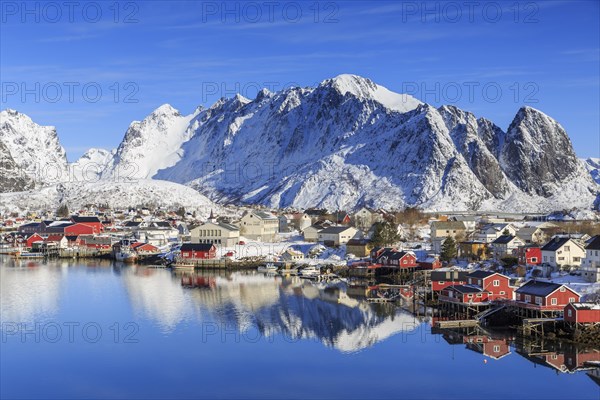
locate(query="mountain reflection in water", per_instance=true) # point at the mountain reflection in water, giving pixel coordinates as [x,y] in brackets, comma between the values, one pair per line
[173,308]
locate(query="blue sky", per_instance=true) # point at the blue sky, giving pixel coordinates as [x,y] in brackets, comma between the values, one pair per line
[489,58]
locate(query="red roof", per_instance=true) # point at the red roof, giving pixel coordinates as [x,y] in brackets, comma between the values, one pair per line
[54,238]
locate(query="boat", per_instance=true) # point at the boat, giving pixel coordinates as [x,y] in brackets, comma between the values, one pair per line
[310,271]
[123,252]
[126,256]
[183,265]
[267,268]
[292,271]
[22,254]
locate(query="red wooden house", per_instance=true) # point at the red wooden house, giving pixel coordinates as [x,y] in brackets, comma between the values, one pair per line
[93,222]
[395,258]
[582,313]
[545,296]
[79,229]
[198,251]
[429,263]
[31,239]
[464,294]
[442,279]
[529,255]
[496,284]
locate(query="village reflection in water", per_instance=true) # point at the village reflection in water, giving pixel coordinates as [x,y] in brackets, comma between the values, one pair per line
[347,318]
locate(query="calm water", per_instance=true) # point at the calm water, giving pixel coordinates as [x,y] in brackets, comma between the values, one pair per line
[73,330]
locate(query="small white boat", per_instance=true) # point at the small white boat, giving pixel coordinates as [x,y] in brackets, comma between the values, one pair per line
[267,268]
[310,271]
[291,271]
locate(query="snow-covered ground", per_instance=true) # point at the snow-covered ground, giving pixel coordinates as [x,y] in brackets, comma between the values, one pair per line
[115,194]
[272,250]
[577,283]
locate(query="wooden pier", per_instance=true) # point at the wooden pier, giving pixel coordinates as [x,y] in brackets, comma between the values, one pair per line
[464,323]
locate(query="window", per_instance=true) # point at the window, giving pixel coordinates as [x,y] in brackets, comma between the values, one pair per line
[527,298]
[569,312]
[538,300]
[533,259]
[441,282]
[496,348]
[503,292]
[497,283]
[571,300]
[576,259]
[470,296]
[562,289]
[567,248]
[554,301]
[479,295]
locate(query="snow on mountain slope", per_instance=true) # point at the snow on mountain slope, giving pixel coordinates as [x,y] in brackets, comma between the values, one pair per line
[35,149]
[336,147]
[365,89]
[150,145]
[593,167]
[90,166]
[115,194]
[349,143]
[12,178]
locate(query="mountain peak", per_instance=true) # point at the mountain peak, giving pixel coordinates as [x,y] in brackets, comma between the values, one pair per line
[166,109]
[366,89]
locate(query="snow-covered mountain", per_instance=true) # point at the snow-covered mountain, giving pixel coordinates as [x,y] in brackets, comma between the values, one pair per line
[90,166]
[35,149]
[593,167]
[348,143]
[115,194]
[12,178]
[150,145]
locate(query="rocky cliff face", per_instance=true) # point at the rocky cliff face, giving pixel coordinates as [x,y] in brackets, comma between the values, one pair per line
[12,178]
[537,154]
[34,149]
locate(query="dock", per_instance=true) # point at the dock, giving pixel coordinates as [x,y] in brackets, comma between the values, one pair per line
[464,323]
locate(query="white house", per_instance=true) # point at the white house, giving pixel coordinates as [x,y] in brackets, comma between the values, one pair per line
[301,221]
[590,265]
[259,225]
[365,217]
[532,235]
[336,235]
[440,230]
[311,233]
[491,232]
[505,245]
[562,251]
[218,233]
